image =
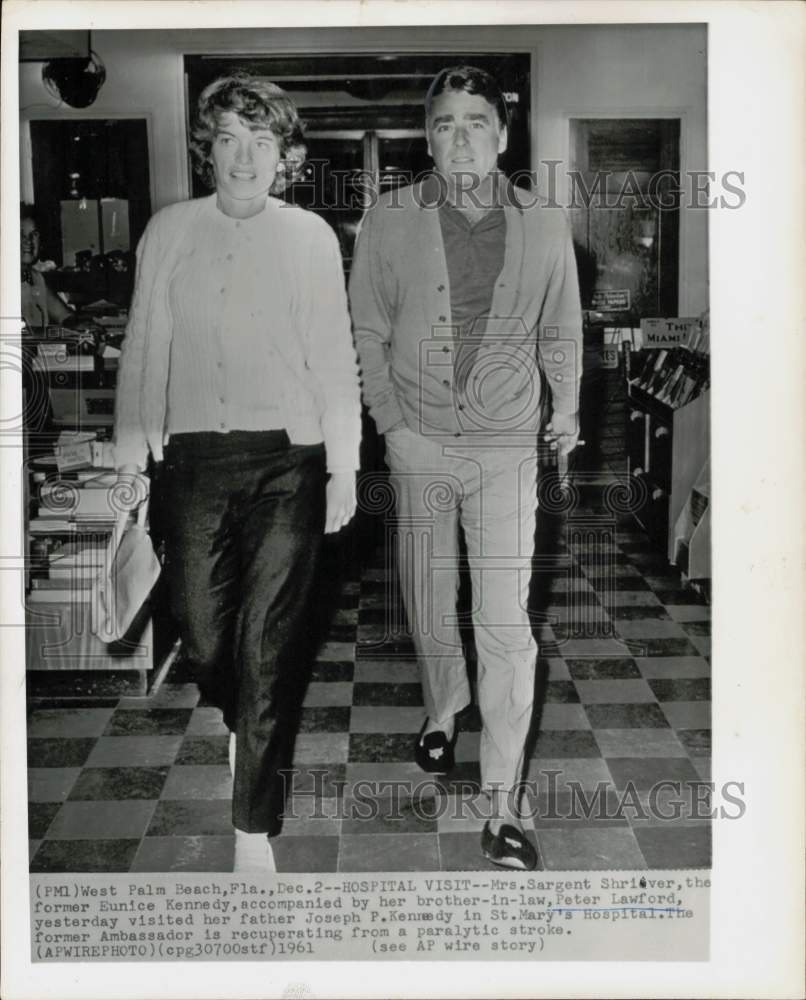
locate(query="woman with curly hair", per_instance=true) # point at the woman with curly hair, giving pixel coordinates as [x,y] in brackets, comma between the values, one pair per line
[238,376]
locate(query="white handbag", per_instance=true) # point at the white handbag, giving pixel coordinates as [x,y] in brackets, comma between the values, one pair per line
[121,588]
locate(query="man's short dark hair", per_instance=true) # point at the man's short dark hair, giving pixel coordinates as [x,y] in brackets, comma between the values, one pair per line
[471,80]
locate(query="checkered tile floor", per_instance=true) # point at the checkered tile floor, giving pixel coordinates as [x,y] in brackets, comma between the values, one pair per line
[142,784]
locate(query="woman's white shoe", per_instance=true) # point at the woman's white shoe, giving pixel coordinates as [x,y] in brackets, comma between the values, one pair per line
[253,853]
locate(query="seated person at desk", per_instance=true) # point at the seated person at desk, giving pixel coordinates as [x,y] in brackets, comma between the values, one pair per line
[41,306]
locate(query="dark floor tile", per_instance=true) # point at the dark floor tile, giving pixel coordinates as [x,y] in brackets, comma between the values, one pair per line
[148,722]
[682,689]
[379,613]
[40,816]
[386,815]
[37,703]
[684,595]
[645,772]
[305,854]
[84,856]
[115,820]
[696,741]
[116,783]
[332,670]
[402,852]
[697,628]
[606,668]
[203,750]
[624,583]
[86,684]
[387,694]
[661,647]
[563,601]
[184,854]
[566,743]
[374,650]
[675,847]
[190,817]
[342,633]
[59,752]
[632,716]
[638,612]
[561,692]
[333,719]
[380,747]
[640,549]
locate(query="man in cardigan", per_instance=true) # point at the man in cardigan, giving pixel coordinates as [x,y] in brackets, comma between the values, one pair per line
[459,284]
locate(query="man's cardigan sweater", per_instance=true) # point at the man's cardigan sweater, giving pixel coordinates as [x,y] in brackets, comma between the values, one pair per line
[400,304]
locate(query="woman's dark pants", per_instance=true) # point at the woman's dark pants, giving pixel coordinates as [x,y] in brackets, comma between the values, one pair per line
[243,516]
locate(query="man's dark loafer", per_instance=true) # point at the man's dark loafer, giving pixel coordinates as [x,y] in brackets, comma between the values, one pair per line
[509,848]
[435,753]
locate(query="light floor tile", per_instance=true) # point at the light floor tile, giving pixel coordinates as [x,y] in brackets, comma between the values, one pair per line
[168,696]
[593,647]
[198,781]
[639,743]
[611,692]
[558,669]
[68,722]
[588,773]
[379,719]
[688,714]
[702,765]
[689,612]
[386,672]
[51,784]
[321,694]
[589,849]
[401,852]
[134,751]
[559,716]
[206,721]
[337,651]
[322,748]
[702,643]
[101,820]
[671,667]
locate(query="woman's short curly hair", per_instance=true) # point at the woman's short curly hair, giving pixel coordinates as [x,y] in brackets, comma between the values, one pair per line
[259,103]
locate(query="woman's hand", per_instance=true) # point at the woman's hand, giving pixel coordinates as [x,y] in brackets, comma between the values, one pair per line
[563,432]
[340,501]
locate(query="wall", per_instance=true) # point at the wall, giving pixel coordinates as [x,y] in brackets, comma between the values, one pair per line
[632,70]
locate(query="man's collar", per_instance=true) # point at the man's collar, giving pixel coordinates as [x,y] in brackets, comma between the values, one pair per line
[433,191]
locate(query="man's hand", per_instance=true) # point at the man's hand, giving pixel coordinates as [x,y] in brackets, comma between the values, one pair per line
[341,501]
[562,432]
